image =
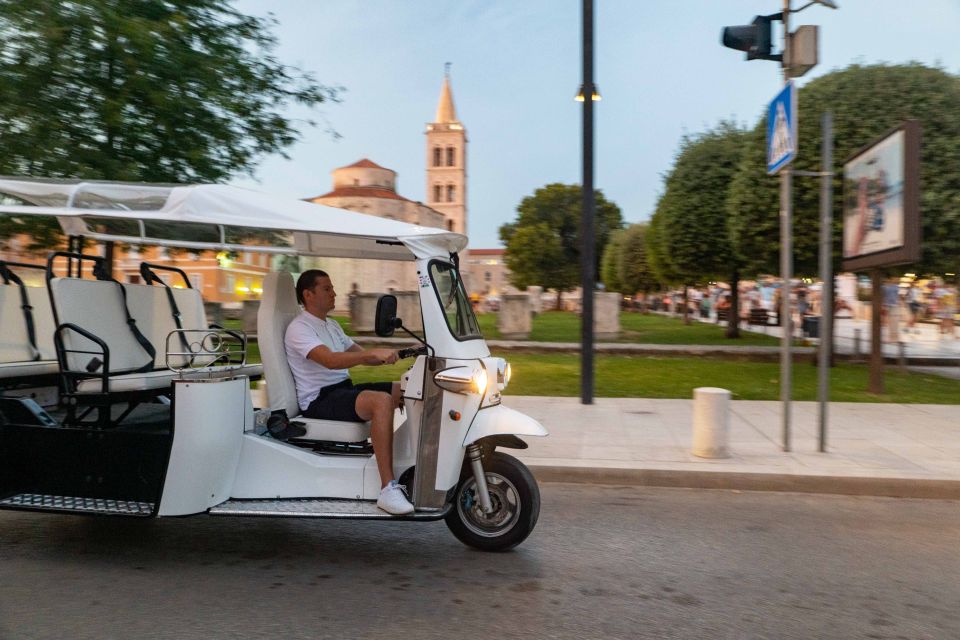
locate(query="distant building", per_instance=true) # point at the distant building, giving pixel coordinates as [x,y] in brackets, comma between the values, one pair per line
[486,274]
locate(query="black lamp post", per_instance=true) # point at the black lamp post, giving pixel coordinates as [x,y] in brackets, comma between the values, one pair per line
[588,94]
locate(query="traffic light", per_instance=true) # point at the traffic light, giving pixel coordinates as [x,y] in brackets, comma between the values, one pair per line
[753,38]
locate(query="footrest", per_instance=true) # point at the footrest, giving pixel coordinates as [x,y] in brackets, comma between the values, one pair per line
[317,508]
[71,504]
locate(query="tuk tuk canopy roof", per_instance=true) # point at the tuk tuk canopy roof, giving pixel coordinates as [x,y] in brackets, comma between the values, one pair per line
[317,230]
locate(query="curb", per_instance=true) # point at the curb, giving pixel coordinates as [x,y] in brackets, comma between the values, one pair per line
[783,482]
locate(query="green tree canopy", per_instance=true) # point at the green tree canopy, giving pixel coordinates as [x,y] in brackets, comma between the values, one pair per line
[866,101]
[625,267]
[610,262]
[635,271]
[543,243]
[143,90]
[694,206]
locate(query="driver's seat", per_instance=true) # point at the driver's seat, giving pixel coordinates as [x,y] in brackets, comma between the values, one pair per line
[278,307]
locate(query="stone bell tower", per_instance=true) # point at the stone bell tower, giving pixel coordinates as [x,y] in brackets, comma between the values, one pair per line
[447,161]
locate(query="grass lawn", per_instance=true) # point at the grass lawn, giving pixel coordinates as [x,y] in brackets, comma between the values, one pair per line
[670,377]
[564,326]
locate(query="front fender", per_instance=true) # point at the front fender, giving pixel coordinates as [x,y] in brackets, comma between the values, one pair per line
[498,420]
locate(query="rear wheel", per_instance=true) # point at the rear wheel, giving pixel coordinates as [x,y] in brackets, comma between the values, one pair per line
[514,496]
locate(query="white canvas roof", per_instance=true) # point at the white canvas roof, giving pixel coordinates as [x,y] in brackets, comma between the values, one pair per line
[317,230]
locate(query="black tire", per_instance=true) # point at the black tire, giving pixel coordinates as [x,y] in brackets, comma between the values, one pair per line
[516,501]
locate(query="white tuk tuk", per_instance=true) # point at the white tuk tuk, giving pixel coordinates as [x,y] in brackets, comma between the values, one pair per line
[155,415]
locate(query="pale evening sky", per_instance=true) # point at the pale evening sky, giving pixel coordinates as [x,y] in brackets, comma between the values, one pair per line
[516,66]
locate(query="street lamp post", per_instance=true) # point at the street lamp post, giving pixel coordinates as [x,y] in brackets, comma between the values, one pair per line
[587,267]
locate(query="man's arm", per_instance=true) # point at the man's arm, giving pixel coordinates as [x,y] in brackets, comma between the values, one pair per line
[355,355]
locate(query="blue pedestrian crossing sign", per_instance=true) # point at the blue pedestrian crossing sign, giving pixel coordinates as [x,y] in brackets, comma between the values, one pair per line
[782,129]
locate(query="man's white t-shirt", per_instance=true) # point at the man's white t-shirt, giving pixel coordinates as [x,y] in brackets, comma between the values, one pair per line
[304,334]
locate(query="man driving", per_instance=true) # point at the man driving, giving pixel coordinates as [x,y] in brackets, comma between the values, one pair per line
[319,354]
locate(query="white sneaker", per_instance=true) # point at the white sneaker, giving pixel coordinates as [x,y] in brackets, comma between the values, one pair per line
[393,499]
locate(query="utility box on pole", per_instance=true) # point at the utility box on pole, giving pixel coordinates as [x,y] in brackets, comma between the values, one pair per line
[802,53]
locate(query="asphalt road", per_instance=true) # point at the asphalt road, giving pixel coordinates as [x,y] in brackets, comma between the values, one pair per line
[604,562]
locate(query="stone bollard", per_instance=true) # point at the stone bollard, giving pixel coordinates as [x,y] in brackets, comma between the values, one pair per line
[536,298]
[515,318]
[248,316]
[408,310]
[363,309]
[606,315]
[711,422]
[214,312]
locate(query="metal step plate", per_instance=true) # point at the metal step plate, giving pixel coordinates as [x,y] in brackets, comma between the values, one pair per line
[316,508]
[78,505]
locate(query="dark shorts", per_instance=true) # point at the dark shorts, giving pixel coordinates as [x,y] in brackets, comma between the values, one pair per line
[339,401]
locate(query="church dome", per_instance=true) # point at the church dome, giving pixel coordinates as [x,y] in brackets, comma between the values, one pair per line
[365,173]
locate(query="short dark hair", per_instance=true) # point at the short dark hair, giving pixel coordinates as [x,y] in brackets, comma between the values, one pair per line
[306,281]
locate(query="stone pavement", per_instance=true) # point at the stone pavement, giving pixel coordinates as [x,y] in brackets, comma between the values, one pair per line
[872,449]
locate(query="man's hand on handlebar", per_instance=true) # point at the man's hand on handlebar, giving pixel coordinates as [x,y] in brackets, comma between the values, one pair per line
[381,356]
[411,352]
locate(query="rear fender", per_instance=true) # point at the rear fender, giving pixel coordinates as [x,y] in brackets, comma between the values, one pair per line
[501,420]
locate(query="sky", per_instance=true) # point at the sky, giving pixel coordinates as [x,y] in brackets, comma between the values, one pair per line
[516,66]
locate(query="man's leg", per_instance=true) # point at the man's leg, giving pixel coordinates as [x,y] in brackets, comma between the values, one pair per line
[377,407]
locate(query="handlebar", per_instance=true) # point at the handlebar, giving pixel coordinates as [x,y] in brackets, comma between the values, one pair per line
[412,351]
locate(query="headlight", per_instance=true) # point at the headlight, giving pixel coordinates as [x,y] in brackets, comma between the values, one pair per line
[480,381]
[462,380]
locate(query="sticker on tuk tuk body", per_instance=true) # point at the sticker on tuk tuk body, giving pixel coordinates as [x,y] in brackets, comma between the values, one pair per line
[424,281]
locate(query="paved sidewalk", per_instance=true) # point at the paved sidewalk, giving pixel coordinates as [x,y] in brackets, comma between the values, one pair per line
[873,449]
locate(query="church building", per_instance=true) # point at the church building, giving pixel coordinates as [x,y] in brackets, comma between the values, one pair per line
[366,187]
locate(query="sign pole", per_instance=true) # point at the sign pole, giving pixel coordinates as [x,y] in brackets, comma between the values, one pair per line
[876,346]
[786,258]
[826,275]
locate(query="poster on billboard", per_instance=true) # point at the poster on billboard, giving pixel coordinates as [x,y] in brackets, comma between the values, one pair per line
[881,212]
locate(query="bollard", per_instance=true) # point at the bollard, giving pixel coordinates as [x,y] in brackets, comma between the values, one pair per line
[711,422]
[856,344]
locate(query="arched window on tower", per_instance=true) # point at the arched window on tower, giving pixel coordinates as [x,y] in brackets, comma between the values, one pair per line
[451,193]
[437,193]
[437,155]
[449,225]
[451,157]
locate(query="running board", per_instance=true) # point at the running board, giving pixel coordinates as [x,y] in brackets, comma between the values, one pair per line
[317,508]
[71,504]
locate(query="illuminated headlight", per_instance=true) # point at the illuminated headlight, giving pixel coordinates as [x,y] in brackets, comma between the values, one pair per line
[463,380]
[480,381]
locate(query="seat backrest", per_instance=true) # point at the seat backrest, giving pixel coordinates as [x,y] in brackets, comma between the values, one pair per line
[278,306]
[14,337]
[98,307]
[150,306]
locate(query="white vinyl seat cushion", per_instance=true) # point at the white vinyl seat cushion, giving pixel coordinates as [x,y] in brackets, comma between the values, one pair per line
[278,307]
[162,379]
[25,369]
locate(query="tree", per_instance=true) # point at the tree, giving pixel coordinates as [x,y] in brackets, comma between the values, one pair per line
[625,266]
[543,243]
[866,101]
[611,261]
[694,209]
[143,90]
[635,270]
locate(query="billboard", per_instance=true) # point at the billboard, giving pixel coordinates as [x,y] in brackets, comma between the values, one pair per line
[881,216]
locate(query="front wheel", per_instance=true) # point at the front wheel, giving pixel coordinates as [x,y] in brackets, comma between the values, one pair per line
[514,496]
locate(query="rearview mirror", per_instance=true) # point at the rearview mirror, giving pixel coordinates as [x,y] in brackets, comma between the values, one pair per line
[386,320]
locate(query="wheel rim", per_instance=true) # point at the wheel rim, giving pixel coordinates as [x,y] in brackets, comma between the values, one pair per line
[505,500]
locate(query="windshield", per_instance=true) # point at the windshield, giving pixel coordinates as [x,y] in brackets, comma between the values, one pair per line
[453,300]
